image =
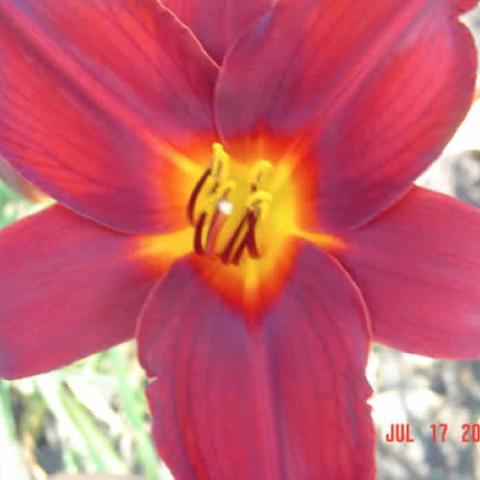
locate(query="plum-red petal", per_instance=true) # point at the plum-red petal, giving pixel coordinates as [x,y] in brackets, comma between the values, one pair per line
[418,266]
[218,23]
[465,5]
[70,288]
[93,96]
[280,398]
[371,92]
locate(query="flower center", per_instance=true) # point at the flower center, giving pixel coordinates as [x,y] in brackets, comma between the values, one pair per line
[225,210]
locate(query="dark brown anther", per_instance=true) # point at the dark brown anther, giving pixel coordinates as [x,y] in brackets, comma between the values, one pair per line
[249,241]
[225,256]
[194,196]
[239,252]
[250,238]
[197,242]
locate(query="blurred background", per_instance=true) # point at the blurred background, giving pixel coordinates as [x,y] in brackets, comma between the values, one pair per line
[91,417]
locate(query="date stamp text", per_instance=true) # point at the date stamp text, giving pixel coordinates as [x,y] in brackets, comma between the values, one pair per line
[440,432]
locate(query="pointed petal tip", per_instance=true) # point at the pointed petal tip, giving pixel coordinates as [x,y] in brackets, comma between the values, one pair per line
[417,266]
[70,288]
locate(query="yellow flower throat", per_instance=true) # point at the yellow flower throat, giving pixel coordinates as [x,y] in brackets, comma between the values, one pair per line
[247,219]
[225,213]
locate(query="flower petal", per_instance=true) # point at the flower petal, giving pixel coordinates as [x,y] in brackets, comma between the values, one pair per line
[218,23]
[418,268]
[69,289]
[372,93]
[277,397]
[465,5]
[97,98]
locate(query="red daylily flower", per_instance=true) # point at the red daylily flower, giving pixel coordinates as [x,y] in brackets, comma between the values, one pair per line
[234,188]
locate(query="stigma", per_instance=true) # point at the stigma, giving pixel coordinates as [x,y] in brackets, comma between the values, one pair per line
[226,208]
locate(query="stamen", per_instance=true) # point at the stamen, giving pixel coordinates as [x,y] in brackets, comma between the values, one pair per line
[225,255]
[239,252]
[216,225]
[258,202]
[248,241]
[259,172]
[257,198]
[217,208]
[211,210]
[222,209]
[194,196]
[197,241]
[251,239]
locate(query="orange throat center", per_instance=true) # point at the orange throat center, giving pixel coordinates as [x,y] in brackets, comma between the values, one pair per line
[246,218]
